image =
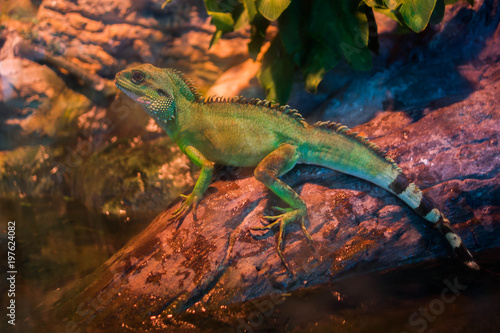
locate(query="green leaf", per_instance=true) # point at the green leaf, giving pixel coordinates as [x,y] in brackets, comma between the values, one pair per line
[212,6]
[272,9]
[392,14]
[313,57]
[215,38]
[373,44]
[250,8]
[393,4]
[375,3]
[257,35]
[222,21]
[449,2]
[294,31]
[343,29]
[416,13]
[438,12]
[222,14]
[165,3]
[258,28]
[277,72]
[241,19]
[320,59]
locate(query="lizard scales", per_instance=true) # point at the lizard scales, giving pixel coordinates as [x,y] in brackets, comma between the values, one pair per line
[272,138]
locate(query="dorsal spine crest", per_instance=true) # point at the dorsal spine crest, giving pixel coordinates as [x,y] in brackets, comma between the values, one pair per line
[189,84]
[350,134]
[283,109]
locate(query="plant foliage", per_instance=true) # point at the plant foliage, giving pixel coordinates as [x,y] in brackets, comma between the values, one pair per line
[314,35]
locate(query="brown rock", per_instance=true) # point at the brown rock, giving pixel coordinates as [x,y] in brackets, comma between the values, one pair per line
[103,37]
[446,143]
[216,261]
[40,103]
[79,22]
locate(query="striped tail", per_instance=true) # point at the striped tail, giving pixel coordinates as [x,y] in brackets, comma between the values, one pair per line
[423,206]
[349,156]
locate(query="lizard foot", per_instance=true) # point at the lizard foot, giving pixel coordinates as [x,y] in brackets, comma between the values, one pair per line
[190,203]
[289,215]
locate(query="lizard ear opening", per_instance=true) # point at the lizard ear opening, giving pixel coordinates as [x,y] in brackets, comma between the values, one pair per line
[163,93]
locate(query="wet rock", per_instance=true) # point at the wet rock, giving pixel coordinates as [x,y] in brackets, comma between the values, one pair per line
[133,176]
[38,106]
[240,79]
[54,142]
[105,38]
[441,126]
[38,114]
[170,276]
[28,171]
[441,52]
[63,112]
[215,261]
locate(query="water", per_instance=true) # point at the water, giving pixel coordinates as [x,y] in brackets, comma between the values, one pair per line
[59,242]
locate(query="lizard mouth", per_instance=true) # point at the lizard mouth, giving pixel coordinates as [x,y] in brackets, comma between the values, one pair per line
[129,91]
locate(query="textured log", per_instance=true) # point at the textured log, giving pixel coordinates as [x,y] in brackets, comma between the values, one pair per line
[216,261]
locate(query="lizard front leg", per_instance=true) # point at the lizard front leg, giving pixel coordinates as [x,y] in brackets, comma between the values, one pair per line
[277,163]
[191,201]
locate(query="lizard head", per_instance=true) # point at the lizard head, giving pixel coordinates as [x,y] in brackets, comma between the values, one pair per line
[152,88]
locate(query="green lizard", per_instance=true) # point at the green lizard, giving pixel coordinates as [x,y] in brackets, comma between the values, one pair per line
[271,138]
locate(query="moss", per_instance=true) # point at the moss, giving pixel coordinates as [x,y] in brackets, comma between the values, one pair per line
[23,10]
[132,176]
[57,117]
[25,171]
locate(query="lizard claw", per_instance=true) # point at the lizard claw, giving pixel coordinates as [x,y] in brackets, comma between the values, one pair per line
[282,210]
[269,226]
[190,204]
[271,218]
[289,215]
[194,209]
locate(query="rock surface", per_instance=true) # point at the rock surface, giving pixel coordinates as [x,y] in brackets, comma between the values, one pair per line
[449,148]
[60,132]
[103,38]
[441,127]
[436,68]
[216,261]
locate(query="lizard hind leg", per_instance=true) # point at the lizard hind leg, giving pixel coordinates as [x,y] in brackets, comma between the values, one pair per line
[277,163]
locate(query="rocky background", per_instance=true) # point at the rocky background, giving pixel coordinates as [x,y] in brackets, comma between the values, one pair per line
[431,100]
[63,132]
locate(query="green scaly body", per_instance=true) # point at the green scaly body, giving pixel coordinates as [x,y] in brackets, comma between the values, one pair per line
[255,133]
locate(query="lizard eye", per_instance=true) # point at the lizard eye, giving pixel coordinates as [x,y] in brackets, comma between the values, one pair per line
[137,77]
[163,93]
